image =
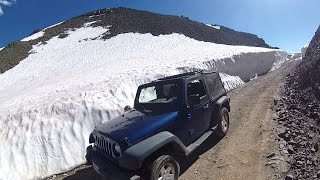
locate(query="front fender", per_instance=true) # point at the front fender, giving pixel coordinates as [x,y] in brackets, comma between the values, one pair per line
[134,156]
[224,101]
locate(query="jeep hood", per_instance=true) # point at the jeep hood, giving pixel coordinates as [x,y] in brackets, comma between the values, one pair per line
[133,126]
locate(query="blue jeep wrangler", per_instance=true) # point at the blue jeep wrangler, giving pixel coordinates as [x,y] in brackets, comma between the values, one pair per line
[171,117]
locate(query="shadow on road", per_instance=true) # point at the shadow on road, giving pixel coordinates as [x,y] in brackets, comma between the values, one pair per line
[187,162]
[89,173]
[85,173]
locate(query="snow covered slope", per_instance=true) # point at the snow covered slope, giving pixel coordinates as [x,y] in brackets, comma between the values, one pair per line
[125,20]
[52,100]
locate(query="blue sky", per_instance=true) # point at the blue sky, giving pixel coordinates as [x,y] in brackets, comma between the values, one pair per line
[288,24]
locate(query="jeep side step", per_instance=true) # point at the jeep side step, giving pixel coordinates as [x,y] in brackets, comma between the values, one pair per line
[199,141]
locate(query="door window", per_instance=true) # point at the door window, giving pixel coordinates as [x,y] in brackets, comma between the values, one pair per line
[214,84]
[162,93]
[196,87]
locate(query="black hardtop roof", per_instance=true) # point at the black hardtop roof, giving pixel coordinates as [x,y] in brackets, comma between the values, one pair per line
[179,77]
[186,75]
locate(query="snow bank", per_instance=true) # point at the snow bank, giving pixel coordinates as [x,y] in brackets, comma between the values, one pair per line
[248,65]
[230,82]
[53,99]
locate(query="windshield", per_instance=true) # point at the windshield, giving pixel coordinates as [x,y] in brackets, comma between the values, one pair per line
[158,98]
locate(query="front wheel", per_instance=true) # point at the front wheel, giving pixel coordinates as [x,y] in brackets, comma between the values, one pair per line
[88,155]
[164,167]
[223,123]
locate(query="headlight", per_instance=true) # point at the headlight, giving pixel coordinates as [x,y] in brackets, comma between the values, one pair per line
[116,150]
[91,138]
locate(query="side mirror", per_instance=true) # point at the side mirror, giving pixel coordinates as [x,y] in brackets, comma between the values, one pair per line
[194,99]
[127,108]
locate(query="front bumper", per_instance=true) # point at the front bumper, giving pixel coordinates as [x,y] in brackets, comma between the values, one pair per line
[104,166]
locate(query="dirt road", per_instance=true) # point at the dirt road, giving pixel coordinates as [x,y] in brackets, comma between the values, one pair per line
[242,153]
[251,137]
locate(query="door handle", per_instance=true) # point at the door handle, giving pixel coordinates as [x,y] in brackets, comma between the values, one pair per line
[191,132]
[189,115]
[205,106]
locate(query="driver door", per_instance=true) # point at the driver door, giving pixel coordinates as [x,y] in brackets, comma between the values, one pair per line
[199,115]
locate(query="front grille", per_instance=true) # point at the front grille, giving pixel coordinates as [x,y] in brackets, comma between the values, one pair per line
[104,145]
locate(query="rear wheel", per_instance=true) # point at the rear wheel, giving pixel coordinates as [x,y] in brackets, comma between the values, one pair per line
[164,167]
[223,123]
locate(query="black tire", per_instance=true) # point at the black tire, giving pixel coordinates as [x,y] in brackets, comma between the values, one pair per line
[88,155]
[223,123]
[164,166]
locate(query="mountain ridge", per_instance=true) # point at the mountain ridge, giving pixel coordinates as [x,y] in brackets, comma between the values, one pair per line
[125,20]
[309,69]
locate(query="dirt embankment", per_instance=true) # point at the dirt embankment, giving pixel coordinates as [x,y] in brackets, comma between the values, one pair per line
[249,151]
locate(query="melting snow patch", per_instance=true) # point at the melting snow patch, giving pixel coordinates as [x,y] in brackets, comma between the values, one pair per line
[255,77]
[40,33]
[96,15]
[89,23]
[53,26]
[213,26]
[33,36]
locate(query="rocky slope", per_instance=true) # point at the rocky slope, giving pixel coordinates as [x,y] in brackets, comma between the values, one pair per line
[309,71]
[123,20]
[299,113]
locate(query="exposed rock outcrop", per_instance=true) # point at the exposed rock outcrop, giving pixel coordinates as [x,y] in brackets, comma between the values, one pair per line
[299,113]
